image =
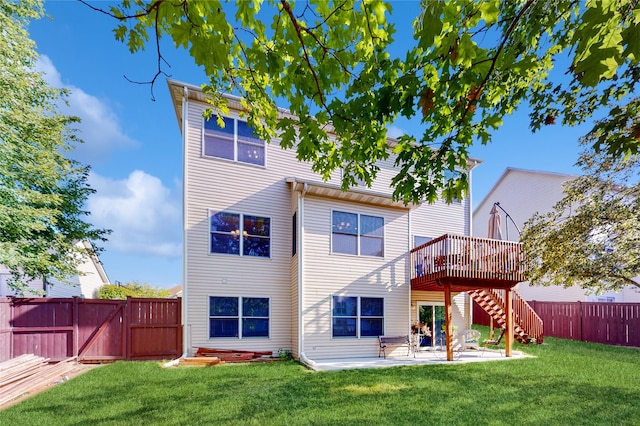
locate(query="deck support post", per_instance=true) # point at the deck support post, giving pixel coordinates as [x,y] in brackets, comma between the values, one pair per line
[448,321]
[509,314]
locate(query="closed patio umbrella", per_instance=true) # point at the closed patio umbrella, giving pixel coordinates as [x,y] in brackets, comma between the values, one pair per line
[495,224]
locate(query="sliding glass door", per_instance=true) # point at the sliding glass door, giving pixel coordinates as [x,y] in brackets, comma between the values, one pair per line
[432,315]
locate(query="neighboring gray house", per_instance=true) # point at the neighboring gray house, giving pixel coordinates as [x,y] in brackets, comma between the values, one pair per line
[90,277]
[276,258]
[522,193]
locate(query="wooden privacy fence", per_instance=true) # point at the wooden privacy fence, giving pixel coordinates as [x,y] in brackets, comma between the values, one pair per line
[598,322]
[94,330]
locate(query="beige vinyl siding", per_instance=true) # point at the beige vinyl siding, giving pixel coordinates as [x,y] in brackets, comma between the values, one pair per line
[521,193]
[552,293]
[328,274]
[220,185]
[434,220]
[223,185]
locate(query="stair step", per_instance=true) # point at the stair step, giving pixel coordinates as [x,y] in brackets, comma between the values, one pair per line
[492,303]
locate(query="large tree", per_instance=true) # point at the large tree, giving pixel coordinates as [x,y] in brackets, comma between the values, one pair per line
[591,238]
[470,64]
[42,192]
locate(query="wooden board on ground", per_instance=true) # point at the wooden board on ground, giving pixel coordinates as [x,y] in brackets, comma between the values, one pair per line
[200,361]
[232,355]
[28,374]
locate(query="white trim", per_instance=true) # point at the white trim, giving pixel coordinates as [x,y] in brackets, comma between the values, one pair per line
[186,338]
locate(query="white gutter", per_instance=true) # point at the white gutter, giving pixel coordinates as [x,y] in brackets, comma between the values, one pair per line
[301,355]
[186,337]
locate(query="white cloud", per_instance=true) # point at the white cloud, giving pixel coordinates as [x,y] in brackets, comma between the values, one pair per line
[100,127]
[395,132]
[145,216]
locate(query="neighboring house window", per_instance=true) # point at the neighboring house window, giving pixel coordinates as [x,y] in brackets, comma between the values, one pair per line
[418,240]
[239,317]
[357,234]
[357,316]
[240,234]
[236,141]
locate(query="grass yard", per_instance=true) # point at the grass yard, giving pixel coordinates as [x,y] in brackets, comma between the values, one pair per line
[570,383]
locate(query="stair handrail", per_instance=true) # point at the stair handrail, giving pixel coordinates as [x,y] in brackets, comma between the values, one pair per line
[524,316]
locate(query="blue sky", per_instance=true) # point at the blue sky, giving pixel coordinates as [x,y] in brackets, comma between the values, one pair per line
[133,143]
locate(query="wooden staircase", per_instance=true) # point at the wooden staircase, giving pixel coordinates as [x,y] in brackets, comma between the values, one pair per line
[527,324]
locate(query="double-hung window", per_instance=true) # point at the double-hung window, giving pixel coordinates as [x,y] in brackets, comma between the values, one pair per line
[238,317]
[240,234]
[235,141]
[357,316]
[357,234]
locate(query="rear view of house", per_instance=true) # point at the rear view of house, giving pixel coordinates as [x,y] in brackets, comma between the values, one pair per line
[277,259]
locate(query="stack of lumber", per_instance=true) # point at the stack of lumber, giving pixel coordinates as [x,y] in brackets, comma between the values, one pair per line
[29,372]
[233,355]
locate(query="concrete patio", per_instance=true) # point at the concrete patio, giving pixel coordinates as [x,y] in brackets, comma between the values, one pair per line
[421,358]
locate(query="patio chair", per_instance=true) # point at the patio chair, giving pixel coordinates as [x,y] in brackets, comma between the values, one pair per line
[471,339]
[494,342]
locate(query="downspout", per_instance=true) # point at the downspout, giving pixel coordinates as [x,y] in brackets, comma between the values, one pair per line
[301,355]
[186,338]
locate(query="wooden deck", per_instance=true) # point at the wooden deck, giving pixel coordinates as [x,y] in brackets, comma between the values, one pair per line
[465,263]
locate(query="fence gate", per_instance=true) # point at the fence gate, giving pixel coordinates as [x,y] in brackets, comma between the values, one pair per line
[94,330]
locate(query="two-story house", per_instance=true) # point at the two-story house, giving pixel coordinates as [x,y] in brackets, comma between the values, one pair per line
[276,258]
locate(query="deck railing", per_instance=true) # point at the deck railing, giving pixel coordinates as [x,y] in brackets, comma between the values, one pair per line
[461,256]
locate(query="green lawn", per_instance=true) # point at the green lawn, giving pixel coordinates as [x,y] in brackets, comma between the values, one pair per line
[569,383]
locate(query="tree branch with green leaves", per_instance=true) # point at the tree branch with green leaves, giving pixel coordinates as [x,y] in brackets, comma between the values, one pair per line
[591,238]
[470,65]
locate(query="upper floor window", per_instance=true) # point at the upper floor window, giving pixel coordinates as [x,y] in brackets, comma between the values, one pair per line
[236,141]
[357,234]
[240,234]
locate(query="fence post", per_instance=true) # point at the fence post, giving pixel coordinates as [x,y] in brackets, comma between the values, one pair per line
[126,332]
[76,315]
[581,317]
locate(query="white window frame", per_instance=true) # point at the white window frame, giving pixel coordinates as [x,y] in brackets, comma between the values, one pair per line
[358,317]
[236,140]
[240,317]
[359,235]
[240,231]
